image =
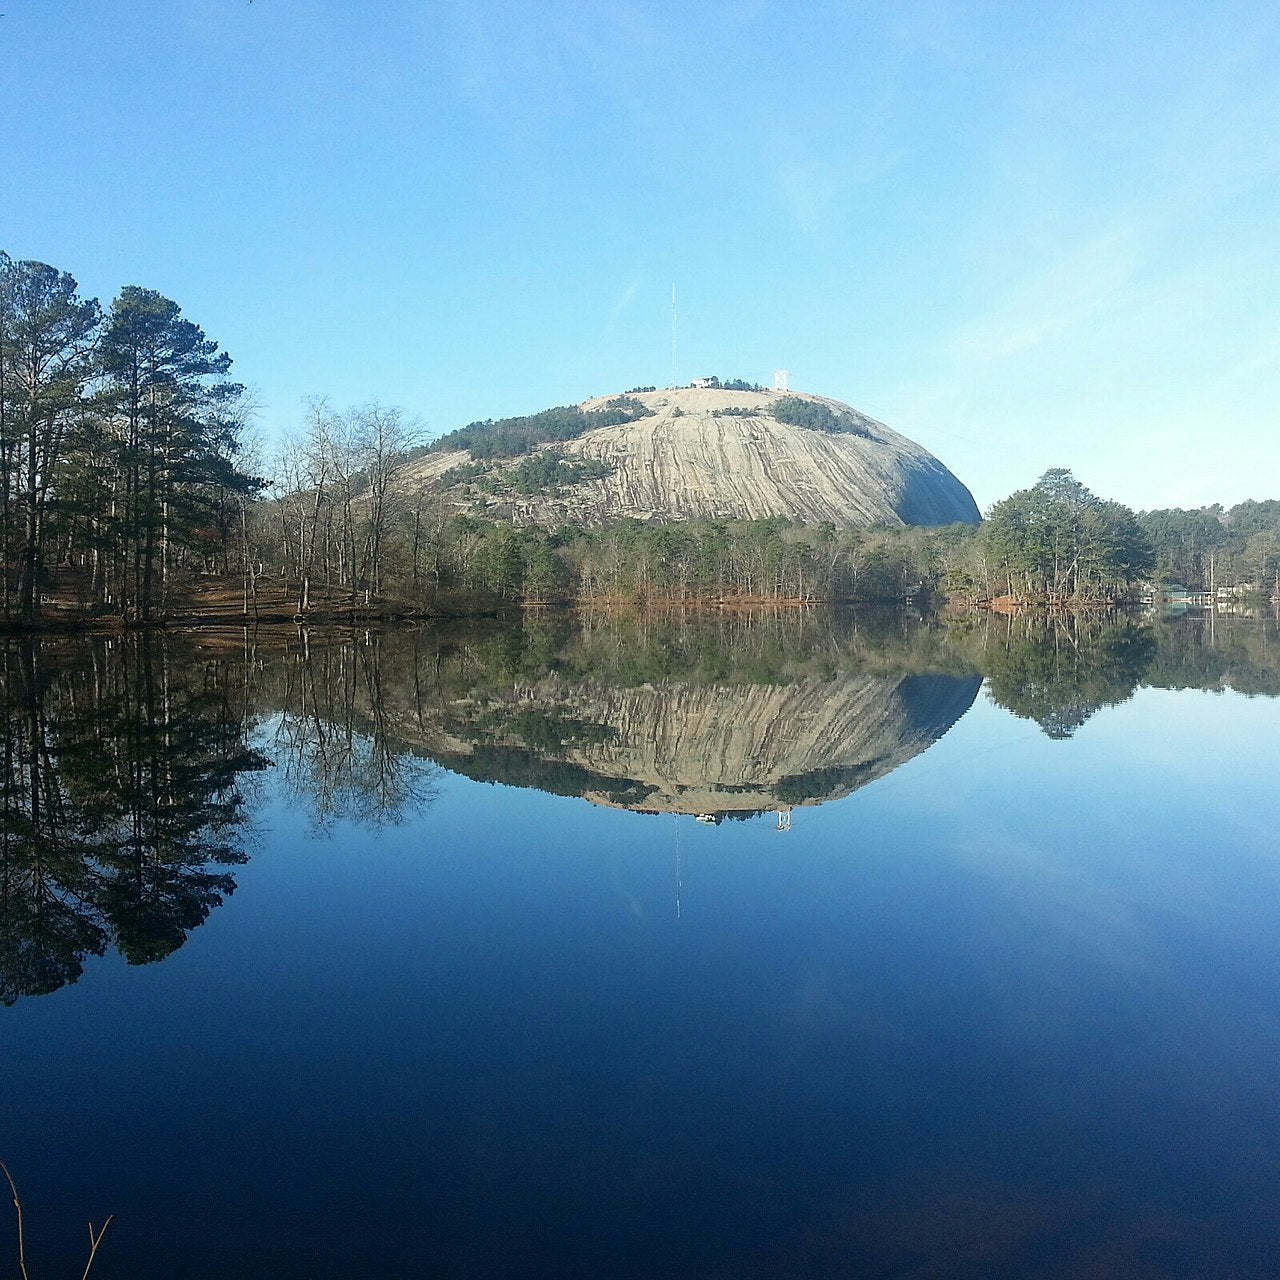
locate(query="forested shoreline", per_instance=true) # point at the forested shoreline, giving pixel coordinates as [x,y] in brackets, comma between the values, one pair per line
[129,493]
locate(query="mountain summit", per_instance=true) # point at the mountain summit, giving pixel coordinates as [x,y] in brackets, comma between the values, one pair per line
[701,452]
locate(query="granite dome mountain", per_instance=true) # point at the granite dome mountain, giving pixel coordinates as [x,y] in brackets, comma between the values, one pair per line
[699,452]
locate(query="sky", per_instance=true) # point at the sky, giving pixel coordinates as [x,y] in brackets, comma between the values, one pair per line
[1025,235]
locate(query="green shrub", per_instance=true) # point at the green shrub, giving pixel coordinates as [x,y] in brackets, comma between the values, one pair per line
[817,417]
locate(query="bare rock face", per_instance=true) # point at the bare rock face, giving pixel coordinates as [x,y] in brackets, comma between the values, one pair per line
[706,452]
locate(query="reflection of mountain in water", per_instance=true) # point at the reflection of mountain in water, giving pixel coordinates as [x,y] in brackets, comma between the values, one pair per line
[717,748]
[734,716]
[123,796]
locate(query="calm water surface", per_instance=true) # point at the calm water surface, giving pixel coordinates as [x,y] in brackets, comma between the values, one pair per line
[784,947]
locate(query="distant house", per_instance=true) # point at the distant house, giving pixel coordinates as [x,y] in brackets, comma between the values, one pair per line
[1172,595]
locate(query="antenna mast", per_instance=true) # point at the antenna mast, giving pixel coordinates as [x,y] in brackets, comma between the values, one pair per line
[673,335]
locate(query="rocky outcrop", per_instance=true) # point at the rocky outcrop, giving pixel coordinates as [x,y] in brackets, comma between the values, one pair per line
[712,453]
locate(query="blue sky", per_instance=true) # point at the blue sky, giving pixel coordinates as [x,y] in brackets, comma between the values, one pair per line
[1024,235]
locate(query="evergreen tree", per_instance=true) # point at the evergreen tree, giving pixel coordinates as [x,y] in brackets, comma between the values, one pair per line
[1059,540]
[47,336]
[172,413]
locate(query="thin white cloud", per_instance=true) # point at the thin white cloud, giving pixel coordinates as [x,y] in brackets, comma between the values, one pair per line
[1075,290]
[624,300]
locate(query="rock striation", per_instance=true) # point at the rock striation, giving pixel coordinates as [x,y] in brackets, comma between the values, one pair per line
[711,453]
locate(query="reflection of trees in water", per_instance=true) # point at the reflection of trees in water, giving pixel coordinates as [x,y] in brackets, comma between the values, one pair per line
[47,924]
[120,802]
[1059,669]
[747,647]
[333,740]
[122,790]
[1203,651]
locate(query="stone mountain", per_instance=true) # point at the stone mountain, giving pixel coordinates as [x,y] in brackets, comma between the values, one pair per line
[696,453]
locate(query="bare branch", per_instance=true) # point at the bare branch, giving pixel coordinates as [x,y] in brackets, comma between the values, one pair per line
[17,1204]
[94,1242]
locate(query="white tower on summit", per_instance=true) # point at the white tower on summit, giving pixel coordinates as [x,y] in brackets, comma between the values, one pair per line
[780,377]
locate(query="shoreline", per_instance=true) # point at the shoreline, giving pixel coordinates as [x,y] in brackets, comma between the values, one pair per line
[66,623]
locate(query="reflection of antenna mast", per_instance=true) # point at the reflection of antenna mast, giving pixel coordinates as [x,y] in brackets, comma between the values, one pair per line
[673,335]
[679,878]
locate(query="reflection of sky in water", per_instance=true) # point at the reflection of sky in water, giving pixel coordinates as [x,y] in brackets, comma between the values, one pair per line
[1013,1010]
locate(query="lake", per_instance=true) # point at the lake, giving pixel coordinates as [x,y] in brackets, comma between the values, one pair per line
[795,945]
